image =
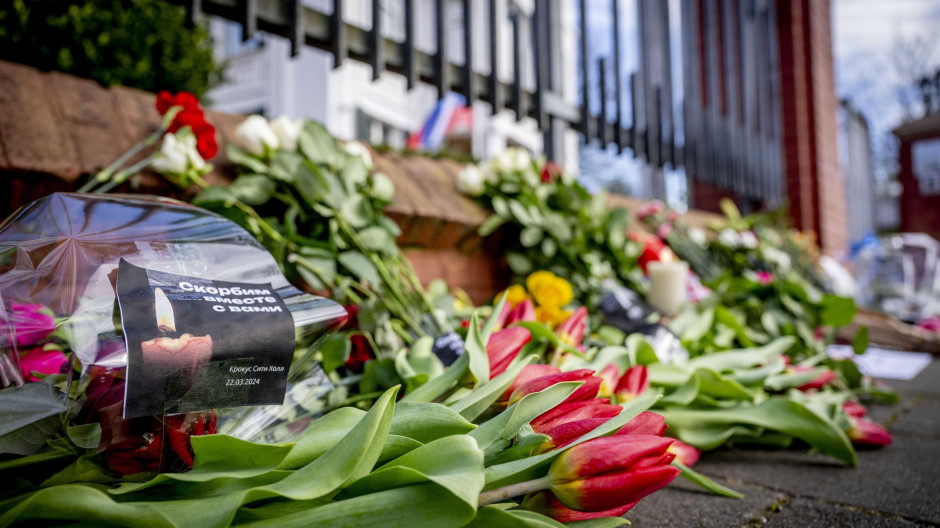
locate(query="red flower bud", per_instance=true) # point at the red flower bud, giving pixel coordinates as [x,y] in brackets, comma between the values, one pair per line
[524,311]
[41,361]
[571,331]
[607,472]
[546,503]
[529,372]
[550,171]
[646,423]
[634,382]
[360,352]
[866,433]
[854,409]
[824,378]
[165,101]
[685,454]
[585,392]
[569,421]
[610,375]
[504,346]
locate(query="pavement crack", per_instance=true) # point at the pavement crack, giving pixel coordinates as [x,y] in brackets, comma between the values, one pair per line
[905,409]
[772,509]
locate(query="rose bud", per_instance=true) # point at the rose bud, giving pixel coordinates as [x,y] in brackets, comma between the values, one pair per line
[609,375]
[824,378]
[504,346]
[524,311]
[608,472]
[633,383]
[866,433]
[854,409]
[685,454]
[646,423]
[32,323]
[41,361]
[585,392]
[571,331]
[529,372]
[546,503]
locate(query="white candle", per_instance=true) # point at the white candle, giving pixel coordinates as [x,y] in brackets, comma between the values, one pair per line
[668,285]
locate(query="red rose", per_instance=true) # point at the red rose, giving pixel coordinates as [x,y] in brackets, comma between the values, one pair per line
[165,101]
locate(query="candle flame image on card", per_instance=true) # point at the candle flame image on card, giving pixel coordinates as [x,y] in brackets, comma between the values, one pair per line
[166,321]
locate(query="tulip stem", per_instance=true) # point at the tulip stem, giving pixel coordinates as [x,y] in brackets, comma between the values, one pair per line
[514,490]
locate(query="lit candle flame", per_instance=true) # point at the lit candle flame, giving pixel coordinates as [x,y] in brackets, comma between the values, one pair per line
[166,321]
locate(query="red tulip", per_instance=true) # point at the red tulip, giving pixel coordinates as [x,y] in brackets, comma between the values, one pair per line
[529,372]
[866,433]
[608,472]
[854,409]
[685,454]
[504,346]
[501,319]
[32,323]
[569,421]
[524,311]
[585,392]
[546,503]
[646,423]
[610,375]
[634,382]
[571,331]
[824,378]
[41,361]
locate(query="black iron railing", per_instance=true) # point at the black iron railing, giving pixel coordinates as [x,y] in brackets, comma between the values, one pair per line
[730,123]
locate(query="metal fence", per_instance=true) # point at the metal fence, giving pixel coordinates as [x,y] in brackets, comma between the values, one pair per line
[729,131]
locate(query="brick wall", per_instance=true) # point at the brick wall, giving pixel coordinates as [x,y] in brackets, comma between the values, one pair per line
[56,130]
[919,213]
[814,182]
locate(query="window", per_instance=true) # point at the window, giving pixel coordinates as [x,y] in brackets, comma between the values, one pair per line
[925,159]
[233,40]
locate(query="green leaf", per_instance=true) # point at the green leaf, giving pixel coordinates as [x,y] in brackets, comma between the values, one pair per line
[474,404]
[317,144]
[21,406]
[437,387]
[724,316]
[476,351]
[860,341]
[837,311]
[744,357]
[216,193]
[360,266]
[253,189]
[705,482]
[241,157]
[519,263]
[86,436]
[494,516]
[490,324]
[80,502]
[322,435]
[714,384]
[491,224]
[530,236]
[505,426]
[335,350]
[601,522]
[426,422]
[378,239]
[357,210]
[777,413]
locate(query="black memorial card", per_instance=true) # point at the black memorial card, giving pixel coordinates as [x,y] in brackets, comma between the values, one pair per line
[195,344]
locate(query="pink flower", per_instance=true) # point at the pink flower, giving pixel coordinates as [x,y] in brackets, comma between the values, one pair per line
[765,277]
[504,346]
[649,209]
[930,323]
[523,312]
[854,409]
[646,423]
[585,392]
[529,372]
[685,454]
[664,231]
[41,361]
[32,323]
[571,331]
[824,378]
[866,433]
[569,421]
[546,503]
[610,375]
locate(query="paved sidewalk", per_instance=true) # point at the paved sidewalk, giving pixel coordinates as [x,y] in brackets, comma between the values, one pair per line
[895,486]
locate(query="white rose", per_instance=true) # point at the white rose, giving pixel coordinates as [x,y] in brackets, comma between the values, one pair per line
[355,148]
[254,134]
[698,236]
[287,131]
[729,238]
[749,239]
[177,154]
[777,257]
[471,181]
[382,187]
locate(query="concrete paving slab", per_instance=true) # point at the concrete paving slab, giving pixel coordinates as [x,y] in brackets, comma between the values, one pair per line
[684,504]
[927,382]
[901,479]
[800,513]
[923,419]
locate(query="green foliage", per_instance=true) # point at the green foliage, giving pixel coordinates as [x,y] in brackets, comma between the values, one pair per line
[143,44]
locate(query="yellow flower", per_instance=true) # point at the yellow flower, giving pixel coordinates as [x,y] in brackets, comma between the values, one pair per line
[549,290]
[551,315]
[515,294]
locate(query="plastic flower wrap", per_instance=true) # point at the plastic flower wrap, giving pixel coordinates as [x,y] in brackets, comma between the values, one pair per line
[63,350]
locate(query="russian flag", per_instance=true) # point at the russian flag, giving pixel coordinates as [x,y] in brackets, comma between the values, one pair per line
[451,110]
